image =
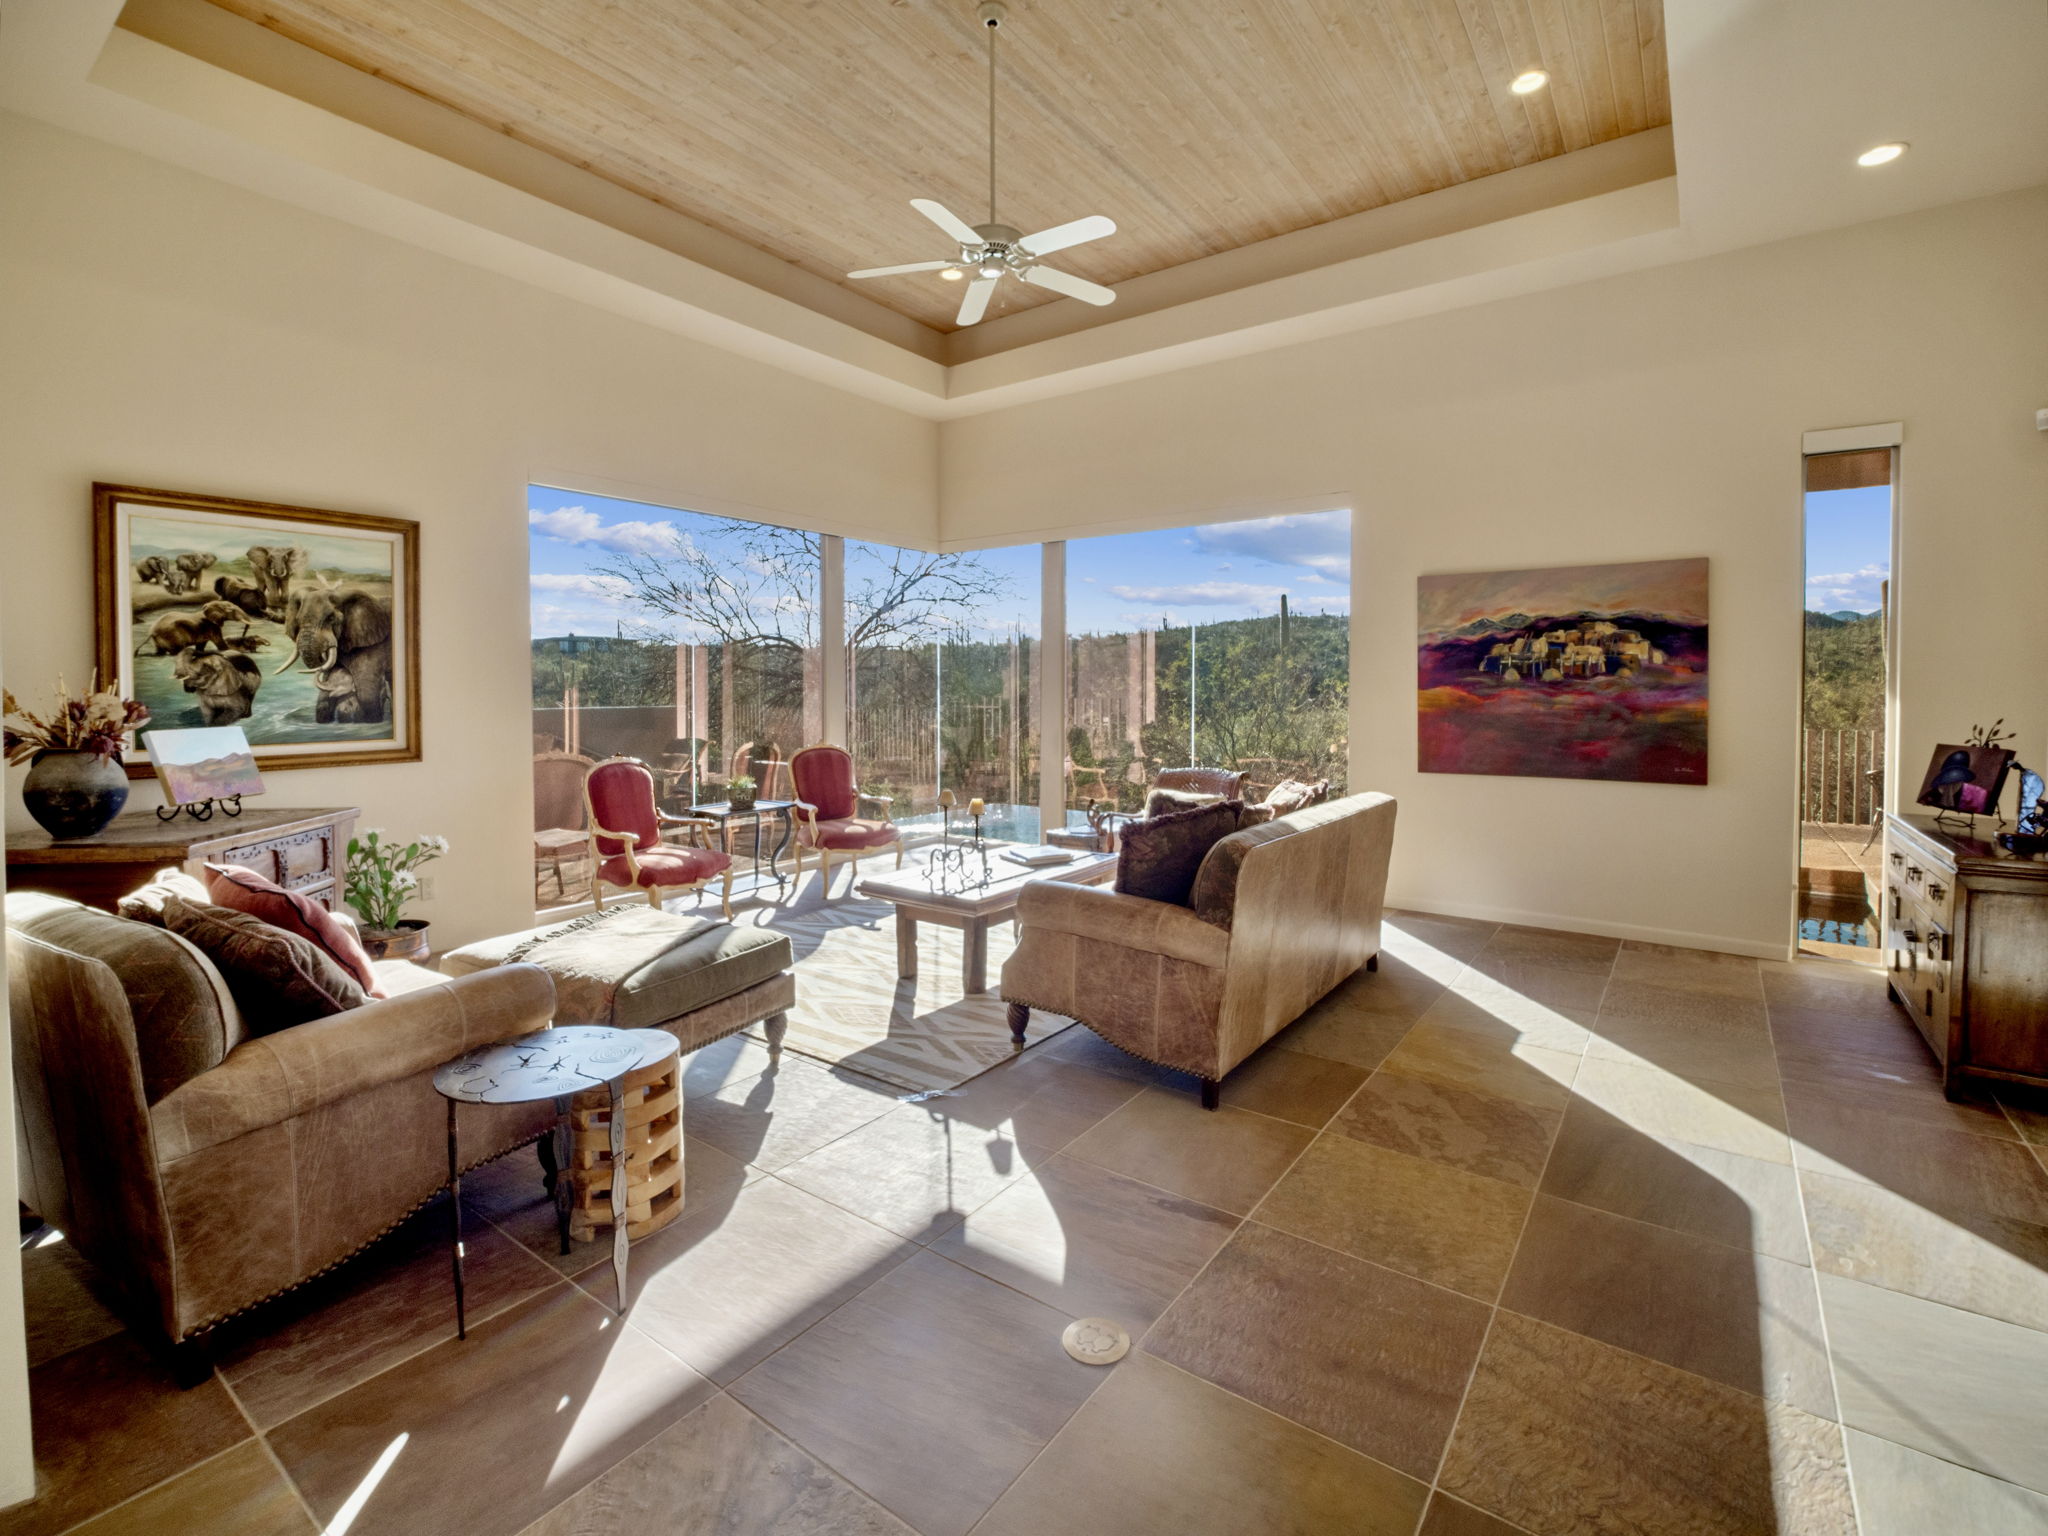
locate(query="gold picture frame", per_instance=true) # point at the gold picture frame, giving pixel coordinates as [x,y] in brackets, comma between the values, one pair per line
[299,624]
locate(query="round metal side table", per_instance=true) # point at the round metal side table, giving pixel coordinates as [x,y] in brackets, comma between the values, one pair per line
[552,1064]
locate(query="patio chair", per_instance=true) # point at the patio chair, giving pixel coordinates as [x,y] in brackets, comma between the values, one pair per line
[827,806]
[559,812]
[626,847]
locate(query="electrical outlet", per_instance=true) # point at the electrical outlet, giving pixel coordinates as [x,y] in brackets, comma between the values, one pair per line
[426,887]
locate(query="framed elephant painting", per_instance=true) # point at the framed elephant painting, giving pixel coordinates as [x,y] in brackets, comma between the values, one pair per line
[301,626]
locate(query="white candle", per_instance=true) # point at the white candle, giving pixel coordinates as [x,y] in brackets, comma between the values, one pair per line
[946,798]
[974,807]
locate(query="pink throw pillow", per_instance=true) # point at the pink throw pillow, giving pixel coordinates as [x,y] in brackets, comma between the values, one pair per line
[244,890]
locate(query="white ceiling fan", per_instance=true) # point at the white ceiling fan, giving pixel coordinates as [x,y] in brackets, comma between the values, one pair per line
[988,251]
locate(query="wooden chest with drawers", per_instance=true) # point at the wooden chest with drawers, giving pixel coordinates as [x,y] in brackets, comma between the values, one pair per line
[1966,950]
[302,850]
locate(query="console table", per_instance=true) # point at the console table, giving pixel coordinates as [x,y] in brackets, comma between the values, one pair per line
[1966,950]
[302,850]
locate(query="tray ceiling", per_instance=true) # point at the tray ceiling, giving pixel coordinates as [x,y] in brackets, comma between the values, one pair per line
[804,128]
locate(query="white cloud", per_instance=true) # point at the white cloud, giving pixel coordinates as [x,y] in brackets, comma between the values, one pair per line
[579,525]
[1313,541]
[1205,594]
[609,590]
[1857,590]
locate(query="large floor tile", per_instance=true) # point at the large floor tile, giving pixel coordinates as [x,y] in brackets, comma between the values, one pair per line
[1457,938]
[238,1493]
[1339,1033]
[1823,986]
[1496,1011]
[1438,1223]
[1693,970]
[1744,1202]
[724,1289]
[1694,1034]
[1459,1127]
[1226,1158]
[719,1470]
[1569,991]
[1447,1516]
[1038,1098]
[1373,1359]
[60,1298]
[393,1300]
[1529,1074]
[1967,1259]
[485,1435]
[510,1196]
[1887,1093]
[1090,1242]
[1567,1436]
[1082,1047]
[1728,1116]
[1738,1317]
[108,1424]
[723,1063]
[1584,952]
[1900,1492]
[1292,1085]
[917,1171]
[930,1391]
[778,1117]
[1946,1171]
[1158,1452]
[1966,1388]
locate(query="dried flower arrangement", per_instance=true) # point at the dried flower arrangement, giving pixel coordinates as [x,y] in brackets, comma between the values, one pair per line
[97,721]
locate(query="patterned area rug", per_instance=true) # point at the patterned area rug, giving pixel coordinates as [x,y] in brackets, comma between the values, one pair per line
[851,1011]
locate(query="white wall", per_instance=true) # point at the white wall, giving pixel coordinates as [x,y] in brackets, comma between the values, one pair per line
[159,328]
[1649,415]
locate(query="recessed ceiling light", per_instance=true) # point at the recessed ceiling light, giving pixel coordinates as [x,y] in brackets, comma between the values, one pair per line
[1882,154]
[952,274]
[1529,82]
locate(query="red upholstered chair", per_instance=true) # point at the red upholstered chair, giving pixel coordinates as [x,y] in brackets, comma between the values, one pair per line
[626,849]
[827,812]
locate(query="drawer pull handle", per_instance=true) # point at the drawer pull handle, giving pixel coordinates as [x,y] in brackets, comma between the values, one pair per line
[1937,891]
[1913,873]
[1898,858]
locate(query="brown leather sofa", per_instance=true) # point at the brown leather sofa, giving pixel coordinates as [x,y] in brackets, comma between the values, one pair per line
[203,1170]
[1280,913]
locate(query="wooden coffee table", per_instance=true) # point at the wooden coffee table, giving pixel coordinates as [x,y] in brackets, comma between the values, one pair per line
[920,895]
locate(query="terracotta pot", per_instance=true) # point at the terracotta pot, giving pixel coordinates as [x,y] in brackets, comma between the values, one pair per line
[408,941]
[74,794]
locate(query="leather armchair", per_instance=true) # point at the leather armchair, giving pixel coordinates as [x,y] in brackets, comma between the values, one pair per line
[286,1155]
[1281,912]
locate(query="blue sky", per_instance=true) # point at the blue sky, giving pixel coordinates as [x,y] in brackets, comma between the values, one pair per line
[1848,548]
[1177,576]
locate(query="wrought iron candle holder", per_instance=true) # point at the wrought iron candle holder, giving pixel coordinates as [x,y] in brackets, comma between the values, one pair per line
[958,865]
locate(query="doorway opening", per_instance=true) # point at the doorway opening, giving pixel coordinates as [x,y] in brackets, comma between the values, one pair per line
[1843,700]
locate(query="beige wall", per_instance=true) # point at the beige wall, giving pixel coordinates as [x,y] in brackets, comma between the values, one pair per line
[1650,415]
[162,329]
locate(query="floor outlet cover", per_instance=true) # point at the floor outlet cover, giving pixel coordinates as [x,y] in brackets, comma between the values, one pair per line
[1096,1341]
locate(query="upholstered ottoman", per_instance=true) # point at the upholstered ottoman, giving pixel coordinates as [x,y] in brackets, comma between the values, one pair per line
[637,968]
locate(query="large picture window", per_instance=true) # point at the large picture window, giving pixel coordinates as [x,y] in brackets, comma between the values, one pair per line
[1225,645]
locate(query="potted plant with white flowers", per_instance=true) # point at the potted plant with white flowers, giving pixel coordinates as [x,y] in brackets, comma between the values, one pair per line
[383,874]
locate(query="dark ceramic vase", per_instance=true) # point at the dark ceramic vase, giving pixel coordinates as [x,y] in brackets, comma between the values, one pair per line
[74,794]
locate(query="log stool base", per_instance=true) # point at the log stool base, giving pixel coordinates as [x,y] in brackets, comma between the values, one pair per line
[652,1102]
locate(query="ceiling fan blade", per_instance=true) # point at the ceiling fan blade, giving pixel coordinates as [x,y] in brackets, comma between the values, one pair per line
[975,302]
[1060,236]
[1073,287]
[915,266]
[947,220]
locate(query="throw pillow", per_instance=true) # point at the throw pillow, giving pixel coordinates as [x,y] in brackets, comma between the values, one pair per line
[1164,802]
[278,979]
[146,905]
[1161,854]
[243,890]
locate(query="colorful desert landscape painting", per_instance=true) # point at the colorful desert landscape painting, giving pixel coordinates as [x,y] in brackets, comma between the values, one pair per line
[1573,672]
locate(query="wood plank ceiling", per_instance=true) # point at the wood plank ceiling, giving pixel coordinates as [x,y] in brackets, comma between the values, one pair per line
[805,126]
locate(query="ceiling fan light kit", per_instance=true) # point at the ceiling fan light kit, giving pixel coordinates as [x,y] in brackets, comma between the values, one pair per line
[992,251]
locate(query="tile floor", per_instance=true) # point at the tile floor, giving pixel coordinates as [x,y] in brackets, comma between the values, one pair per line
[1528,1232]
